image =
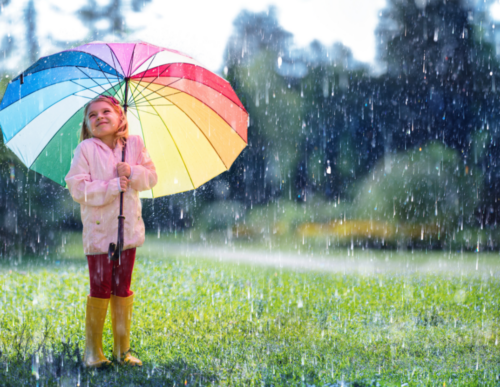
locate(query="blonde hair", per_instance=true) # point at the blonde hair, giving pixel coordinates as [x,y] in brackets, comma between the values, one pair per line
[122,131]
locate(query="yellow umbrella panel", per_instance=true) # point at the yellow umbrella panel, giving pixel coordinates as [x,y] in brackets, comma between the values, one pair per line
[189,140]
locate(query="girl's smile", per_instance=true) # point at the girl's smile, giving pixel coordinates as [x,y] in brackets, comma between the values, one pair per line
[104,122]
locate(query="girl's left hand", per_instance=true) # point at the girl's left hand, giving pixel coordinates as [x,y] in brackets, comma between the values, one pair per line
[123,169]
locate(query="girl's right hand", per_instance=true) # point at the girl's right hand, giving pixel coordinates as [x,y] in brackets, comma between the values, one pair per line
[124,183]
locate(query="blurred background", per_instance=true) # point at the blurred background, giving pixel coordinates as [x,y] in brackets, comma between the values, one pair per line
[373,124]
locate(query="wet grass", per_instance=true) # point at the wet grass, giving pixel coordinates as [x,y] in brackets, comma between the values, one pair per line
[203,322]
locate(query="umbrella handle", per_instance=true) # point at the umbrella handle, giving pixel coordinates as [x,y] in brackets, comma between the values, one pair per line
[112,251]
[115,250]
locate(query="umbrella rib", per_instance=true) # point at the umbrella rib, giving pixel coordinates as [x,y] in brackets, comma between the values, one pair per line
[142,77]
[92,79]
[155,91]
[155,78]
[143,137]
[131,111]
[85,87]
[217,90]
[178,150]
[100,68]
[114,63]
[154,99]
[144,73]
[234,130]
[156,104]
[212,145]
[210,87]
[113,55]
[144,111]
[48,142]
[53,84]
[223,96]
[140,106]
[55,66]
[131,61]
[128,75]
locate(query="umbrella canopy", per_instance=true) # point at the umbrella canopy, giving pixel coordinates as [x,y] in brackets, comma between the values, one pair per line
[192,123]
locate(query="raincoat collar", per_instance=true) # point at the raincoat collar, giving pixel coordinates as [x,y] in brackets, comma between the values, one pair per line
[118,146]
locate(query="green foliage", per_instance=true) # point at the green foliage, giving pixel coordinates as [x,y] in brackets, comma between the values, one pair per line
[439,86]
[421,186]
[198,322]
[276,115]
[4,81]
[33,209]
[219,215]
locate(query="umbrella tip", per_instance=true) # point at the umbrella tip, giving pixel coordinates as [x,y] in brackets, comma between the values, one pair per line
[22,79]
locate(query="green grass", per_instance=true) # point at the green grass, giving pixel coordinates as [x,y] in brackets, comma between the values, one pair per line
[204,322]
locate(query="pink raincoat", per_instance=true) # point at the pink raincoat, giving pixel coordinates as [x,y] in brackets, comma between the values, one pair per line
[93,182]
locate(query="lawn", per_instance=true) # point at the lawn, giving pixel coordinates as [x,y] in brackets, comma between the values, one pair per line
[200,321]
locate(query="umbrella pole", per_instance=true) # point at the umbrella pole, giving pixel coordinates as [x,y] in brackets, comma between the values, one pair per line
[117,249]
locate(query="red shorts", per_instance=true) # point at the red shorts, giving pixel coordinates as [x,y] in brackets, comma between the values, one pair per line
[111,277]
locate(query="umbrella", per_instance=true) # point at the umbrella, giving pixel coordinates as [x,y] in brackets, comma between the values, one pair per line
[192,123]
[190,119]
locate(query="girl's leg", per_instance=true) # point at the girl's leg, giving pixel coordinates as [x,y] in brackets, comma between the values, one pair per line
[122,299]
[100,272]
[122,274]
[101,275]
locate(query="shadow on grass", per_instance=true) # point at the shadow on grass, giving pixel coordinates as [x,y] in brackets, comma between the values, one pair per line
[63,371]
[50,367]
[61,365]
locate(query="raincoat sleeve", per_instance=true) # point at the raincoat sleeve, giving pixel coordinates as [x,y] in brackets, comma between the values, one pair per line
[143,175]
[83,189]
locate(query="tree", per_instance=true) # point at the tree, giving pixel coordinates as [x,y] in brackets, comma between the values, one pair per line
[441,79]
[255,33]
[426,188]
[7,45]
[306,124]
[337,127]
[266,167]
[112,15]
[31,32]
[33,210]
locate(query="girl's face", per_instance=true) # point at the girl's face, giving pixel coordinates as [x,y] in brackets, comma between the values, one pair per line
[103,119]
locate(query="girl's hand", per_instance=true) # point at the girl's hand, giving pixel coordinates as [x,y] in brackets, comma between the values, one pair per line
[123,183]
[123,169]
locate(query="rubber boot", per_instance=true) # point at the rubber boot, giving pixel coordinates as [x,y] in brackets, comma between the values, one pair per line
[94,323]
[121,316]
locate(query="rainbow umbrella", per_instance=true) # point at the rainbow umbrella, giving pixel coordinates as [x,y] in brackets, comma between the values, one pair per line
[192,123]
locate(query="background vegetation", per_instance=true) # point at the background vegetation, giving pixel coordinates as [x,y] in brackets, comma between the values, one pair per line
[412,146]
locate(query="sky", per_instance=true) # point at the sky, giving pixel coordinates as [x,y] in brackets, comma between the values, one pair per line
[495,10]
[351,22]
[202,28]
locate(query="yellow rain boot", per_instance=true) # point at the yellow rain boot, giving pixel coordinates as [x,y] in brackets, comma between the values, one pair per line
[121,316]
[94,323]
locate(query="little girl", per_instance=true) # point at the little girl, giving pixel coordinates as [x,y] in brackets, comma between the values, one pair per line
[95,180]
